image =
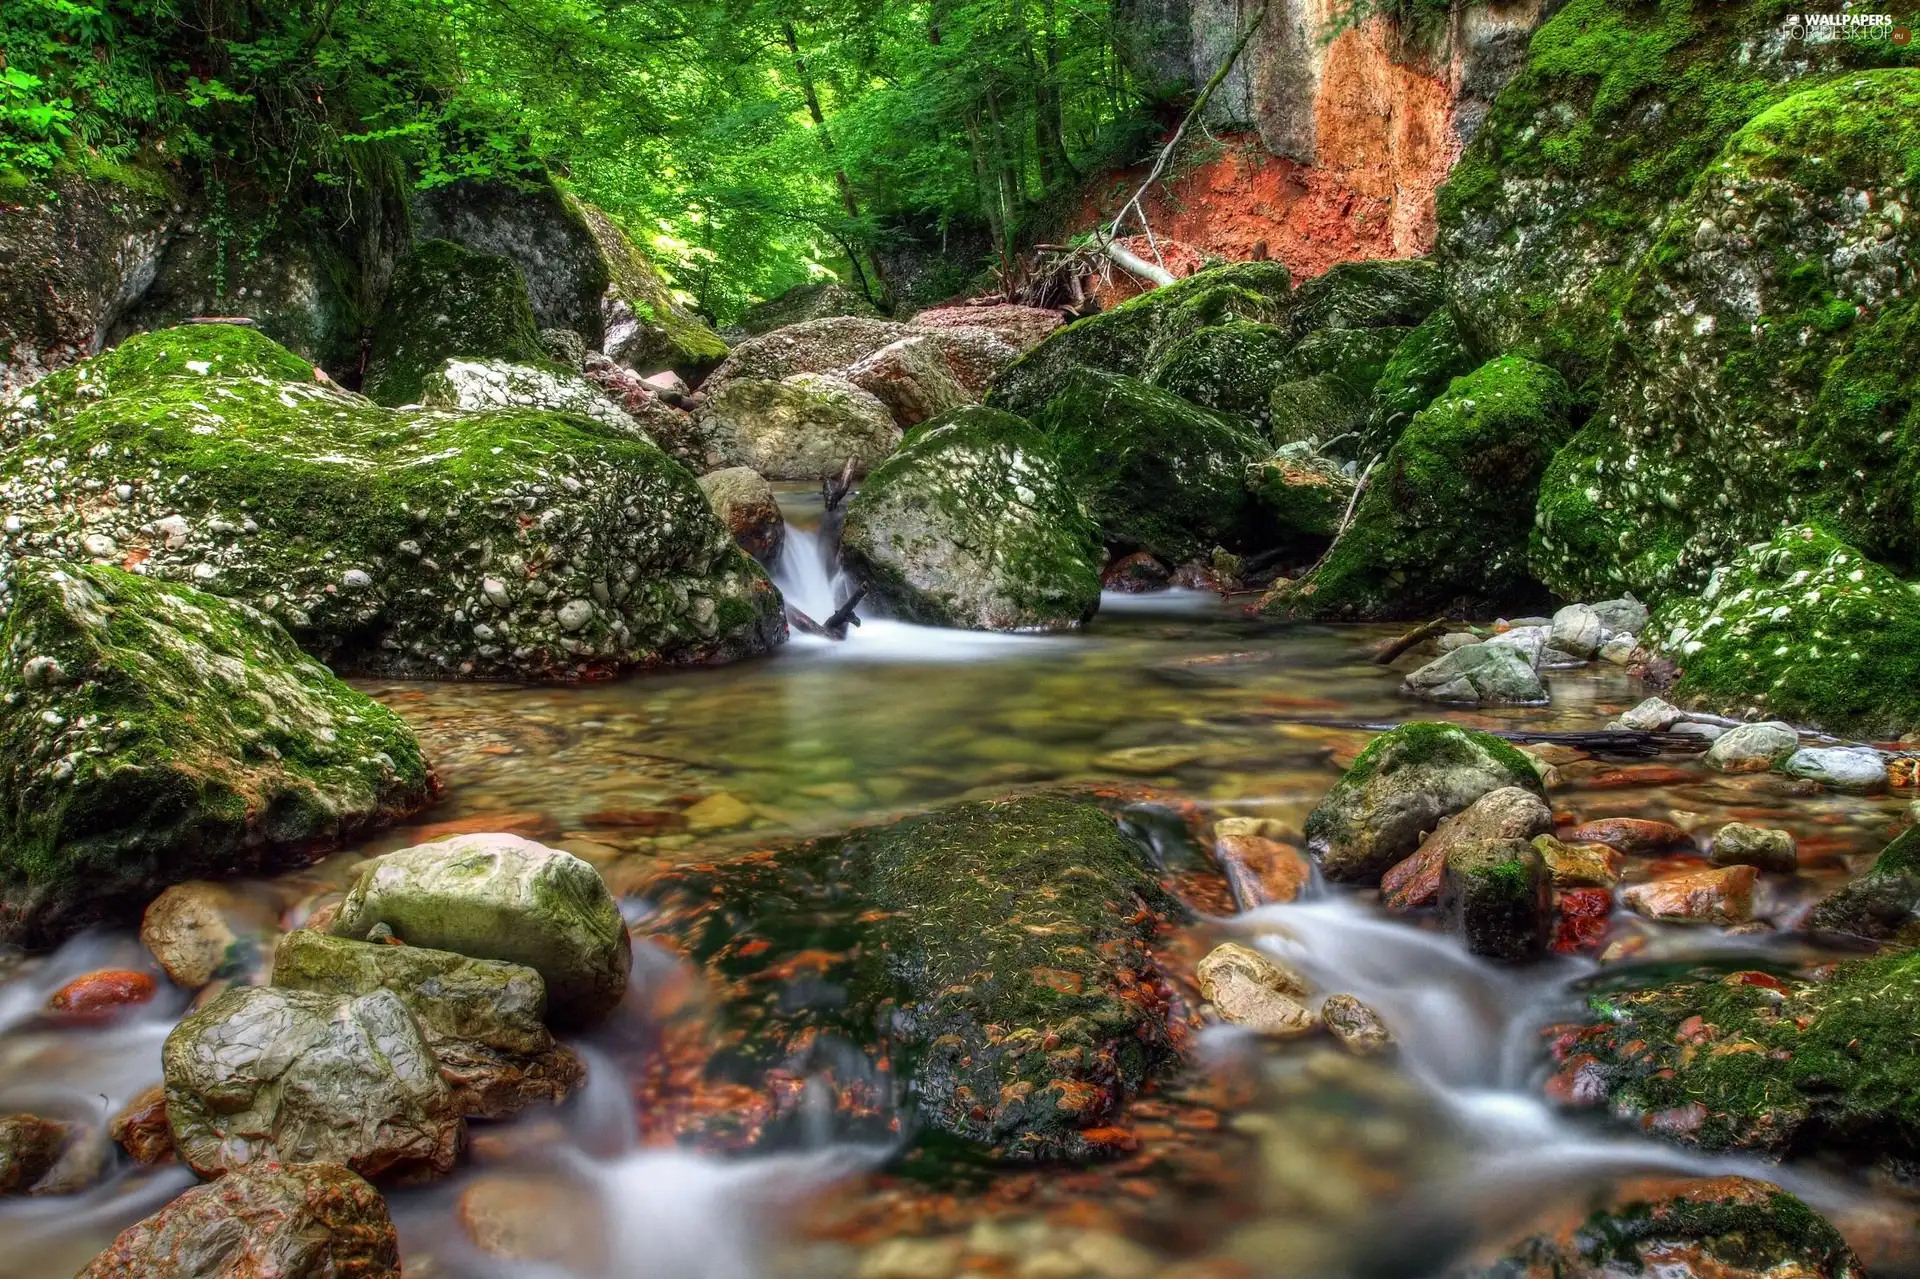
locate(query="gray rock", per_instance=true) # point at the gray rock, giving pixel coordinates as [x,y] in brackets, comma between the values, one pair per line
[1859,771]
[477,385]
[1577,629]
[799,428]
[1619,649]
[1700,728]
[1739,844]
[1480,673]
[747,505]
[1626,616]
[507,898]
[1528,641]
[564,346]
[1753,748]
[1355,1026]
[1497,894]
[1400,788]
[1651,716]
[291,1076]
[483,1019]
[912,378]
[1456,639]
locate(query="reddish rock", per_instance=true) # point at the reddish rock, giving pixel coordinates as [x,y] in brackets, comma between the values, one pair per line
[1020,326]
[269,1221]
[1629,834]
[1720,896]
[100,995]
[1579,865]
[1135,573]
[1259,870]
[522,1218]
[1580,921]
[141,1127]
[30,1147]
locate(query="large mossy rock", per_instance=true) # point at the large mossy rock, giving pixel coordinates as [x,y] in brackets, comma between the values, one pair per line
[1418,372]
[512,544]
[646,326]
[483,1019]
[1764,369]
[261,1076]
[448,301]
[993,956]
[152,733]
[974,523]
[1619,108]
[1444,522]
[1387,293]
[1752,1062]
[804,427]
[1882,905]
[261,1223]
[1723,1228]
[504,898]
[1158,473]
[1398,791]
[1232,368]
[1133,338]
[1802,628]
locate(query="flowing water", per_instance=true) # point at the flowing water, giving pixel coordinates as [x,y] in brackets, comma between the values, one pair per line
[1285,1160]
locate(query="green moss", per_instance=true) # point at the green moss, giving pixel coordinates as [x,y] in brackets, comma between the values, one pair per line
[1306,494]
[1443,523]
[1315,411]
[1424,743]
[1231,368]
[372,534]
[448,301]
[1417,372]
[1832,1065]
[1802,628]
[1351,359]
[992,955]
[1133,337]
[1157,473]
[1386,293]
[151,733]
[671,335]
[974,523]
[1495,894]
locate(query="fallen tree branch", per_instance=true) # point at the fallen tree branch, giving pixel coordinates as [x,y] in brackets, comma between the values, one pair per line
[1426,631]
[1600,742]
[1137,265]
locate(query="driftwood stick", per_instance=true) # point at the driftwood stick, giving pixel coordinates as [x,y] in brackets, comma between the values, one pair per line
[836,626]
[1615,741]
[1425,631]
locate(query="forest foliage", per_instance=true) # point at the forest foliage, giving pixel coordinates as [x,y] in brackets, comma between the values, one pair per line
[753,144]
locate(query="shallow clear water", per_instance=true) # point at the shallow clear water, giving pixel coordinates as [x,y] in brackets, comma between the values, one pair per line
[1285,1161]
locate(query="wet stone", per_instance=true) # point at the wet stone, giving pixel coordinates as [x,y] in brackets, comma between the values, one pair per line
[1508,813]
[1496,894]
[1629,834]
[1651,716]
[1248,989]
[140,1127]
[1356,1027]
[30,1147]
[1720,896]
[1579,865]
[1753,748]
[1739,844]
[1858,771]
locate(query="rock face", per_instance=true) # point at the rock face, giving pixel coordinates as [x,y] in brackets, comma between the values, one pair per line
[746,504]
[1022,327]
[1400,788]
[1157,473]
[911,377]
[156,734]
[1748,1061]
[505,898]
[801,303]
[802,427]
[261,1223]
[475,386]
[262,1076]
[1479,673]
[1444,521]
[1801,627]
[482,1019]
[1135,336]
[953,946]
[1232,368]
[511,543]
[644,326]
[974,523]
[1725,1228]
[974,356]
[1756,378]
[448,301]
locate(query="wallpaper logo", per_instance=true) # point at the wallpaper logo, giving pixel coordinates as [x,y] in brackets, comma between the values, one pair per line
[1860,28]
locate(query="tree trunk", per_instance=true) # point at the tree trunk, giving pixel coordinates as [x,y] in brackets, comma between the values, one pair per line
[840,178]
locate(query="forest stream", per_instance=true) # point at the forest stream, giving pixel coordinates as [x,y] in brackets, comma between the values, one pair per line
[1286,1158]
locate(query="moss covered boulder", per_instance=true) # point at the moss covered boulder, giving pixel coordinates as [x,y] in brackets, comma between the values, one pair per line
[1755,1062]
[1720,1228]
[1497,896]
[483,1019]
[513,543]
[645,325]
[1400,788]
[151,734]
[1386,293]
[1158,473]
[448,301]
[1763,373]
[1417,373]
[804,427]
[478,386]
[1229,367]
[1135,336]
[1352,359]
[1882,905]
[994,958]
[1303,492]
[1444,521]
[504,898]
[974,523]
[1802,628]
[1313,411]
[266,1076]
[1546,217]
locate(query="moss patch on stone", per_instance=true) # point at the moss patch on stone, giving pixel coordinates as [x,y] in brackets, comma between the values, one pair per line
[448,301]
[151,734]
[975,523]
[511,543]
[1158,473]
[1443,523]
[1232,368]
[1802,628]
[1419,370]
[1386,293]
